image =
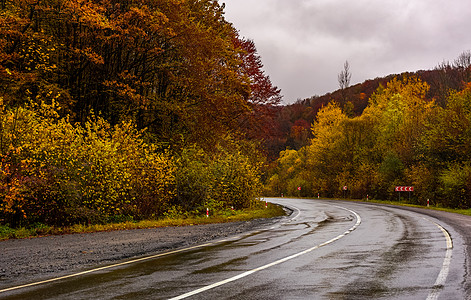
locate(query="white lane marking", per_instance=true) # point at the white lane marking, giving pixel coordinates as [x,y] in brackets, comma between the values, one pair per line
[298,213]
[245,274]
[123,263]
[294,208]
[107,267]
[441,279]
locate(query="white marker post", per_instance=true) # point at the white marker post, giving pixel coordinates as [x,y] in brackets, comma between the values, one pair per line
[207,212]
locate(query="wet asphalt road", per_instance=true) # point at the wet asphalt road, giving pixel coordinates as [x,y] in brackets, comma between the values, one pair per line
[323,250]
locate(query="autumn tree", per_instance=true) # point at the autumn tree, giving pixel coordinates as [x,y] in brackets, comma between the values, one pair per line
[166,76]
[446,147]
[257,123]
[373,152]
[325,156]
[174,67]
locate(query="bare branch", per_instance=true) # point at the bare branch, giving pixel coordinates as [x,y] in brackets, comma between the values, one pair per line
[345,76]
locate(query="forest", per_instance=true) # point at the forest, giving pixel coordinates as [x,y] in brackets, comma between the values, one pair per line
[412,129]
[138,109]
[127,110]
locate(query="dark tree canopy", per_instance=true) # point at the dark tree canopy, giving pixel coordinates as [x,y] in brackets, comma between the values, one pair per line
[177,68]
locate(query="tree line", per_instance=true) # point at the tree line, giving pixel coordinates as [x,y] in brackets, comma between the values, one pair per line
[402,137]
[293,121]
[126,108]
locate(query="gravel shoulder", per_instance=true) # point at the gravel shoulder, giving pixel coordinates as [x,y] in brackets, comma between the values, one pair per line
[30,260]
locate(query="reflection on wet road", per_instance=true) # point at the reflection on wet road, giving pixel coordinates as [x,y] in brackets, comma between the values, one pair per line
[324,250]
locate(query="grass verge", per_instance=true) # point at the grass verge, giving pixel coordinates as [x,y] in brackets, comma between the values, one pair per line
[37,230]
[397,203]
[452,210]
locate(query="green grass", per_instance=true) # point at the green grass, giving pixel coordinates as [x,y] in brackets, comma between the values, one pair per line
[397,203]
[456,211]
[37,230]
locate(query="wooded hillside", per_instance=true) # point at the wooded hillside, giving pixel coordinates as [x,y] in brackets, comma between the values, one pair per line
[293,122]
[126,109]
[407,133]
[134,109]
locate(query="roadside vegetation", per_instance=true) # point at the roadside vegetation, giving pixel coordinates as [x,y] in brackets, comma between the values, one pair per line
[116,114]
[466,212]
[57,173]
[127,111]
[228,215]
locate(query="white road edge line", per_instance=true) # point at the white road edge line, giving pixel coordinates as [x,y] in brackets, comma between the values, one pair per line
[291,218]
[121,264]
[107,267]
[298,213]
[441,279]
[247,273]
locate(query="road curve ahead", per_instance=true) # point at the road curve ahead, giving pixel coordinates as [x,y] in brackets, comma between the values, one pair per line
[323,250]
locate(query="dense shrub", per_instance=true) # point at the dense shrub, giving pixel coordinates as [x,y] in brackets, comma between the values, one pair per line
[221,179]
[56,172]
[236,179]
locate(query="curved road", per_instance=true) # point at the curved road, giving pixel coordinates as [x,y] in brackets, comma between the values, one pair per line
[323,250]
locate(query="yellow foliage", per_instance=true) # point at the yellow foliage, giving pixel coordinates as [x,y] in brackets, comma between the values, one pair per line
[54,171]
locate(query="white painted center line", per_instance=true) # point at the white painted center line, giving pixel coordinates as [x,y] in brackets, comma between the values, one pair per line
[247,273]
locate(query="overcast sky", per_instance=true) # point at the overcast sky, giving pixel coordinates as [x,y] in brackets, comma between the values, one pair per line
[304,43]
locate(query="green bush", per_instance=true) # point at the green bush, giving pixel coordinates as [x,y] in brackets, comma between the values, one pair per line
[218,180]
[236,180]
[456,185]
[59,173]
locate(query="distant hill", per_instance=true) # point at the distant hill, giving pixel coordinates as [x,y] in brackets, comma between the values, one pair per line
[293,122]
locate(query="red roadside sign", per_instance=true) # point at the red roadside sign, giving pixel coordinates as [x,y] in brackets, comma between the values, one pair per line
[404,189]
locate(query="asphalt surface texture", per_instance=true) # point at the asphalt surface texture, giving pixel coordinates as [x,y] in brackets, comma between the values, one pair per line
[322,250]
[28,260]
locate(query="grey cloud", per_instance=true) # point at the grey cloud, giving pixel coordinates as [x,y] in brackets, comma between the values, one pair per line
[304,43]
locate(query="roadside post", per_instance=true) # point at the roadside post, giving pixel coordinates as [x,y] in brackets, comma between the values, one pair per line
[207,212]
[428,202]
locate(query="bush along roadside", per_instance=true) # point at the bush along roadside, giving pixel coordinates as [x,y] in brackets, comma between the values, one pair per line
[56,173]
[257,211]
